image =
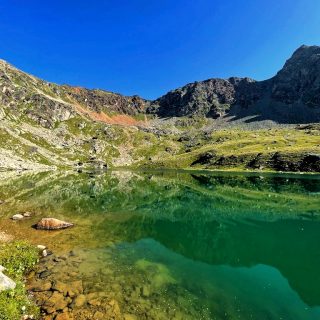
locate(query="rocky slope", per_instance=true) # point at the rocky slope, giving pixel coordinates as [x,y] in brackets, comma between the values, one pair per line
[292,96]
[232,123]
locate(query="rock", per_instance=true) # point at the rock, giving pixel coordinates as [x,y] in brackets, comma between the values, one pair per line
[52,224]
[115,307]
[44,253]
[55,303]
[98,315]
[45,274]
[63,316]
[79,301]
[41,247]
[17,216]
[76,287]
[127,316]
[40,286]
[27,214]
[28,317]
[5,282]
[60,287]
[94,302]
[4,237]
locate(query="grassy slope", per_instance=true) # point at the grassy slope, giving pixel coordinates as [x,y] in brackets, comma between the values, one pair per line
[79,139]
[241,143]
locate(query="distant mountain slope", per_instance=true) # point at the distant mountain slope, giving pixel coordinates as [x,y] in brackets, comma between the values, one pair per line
[212,124]
[46,103]
[292,96]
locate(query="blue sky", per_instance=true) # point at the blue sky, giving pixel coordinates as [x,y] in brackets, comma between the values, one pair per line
[150,47]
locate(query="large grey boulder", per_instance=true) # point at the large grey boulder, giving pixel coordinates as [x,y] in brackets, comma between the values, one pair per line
[5,282]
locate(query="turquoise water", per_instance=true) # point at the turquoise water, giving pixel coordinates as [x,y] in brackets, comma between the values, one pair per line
[177,245]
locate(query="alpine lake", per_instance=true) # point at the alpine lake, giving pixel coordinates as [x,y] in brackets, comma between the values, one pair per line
[172,244]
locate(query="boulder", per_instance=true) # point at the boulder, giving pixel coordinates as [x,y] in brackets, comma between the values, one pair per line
[5,282]
[52,224]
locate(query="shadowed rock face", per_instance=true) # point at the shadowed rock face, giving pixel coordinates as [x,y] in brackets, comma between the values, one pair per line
[293,95]
[299,80]
[212,98]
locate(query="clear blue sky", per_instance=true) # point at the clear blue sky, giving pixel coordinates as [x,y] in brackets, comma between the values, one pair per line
[149,47]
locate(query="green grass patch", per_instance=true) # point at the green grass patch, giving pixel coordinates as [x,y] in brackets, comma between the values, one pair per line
[18,258]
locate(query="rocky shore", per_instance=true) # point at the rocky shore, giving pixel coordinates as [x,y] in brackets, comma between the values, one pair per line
[60,291]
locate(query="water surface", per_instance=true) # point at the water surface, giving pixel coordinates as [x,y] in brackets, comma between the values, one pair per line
[179,245]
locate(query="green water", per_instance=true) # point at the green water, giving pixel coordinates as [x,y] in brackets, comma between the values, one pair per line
[177,245]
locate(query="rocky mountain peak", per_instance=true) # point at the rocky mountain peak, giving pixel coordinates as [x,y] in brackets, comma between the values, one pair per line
[292,95]
[298,82]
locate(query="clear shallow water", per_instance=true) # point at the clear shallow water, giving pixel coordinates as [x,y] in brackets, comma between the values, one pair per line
[174,245]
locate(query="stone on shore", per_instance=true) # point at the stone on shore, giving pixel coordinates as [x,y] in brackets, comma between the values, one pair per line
[27,214]
[17,216]
[5,282]
[52,224]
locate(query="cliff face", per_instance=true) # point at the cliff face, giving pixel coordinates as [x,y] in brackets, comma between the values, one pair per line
[299,80]
[293,95]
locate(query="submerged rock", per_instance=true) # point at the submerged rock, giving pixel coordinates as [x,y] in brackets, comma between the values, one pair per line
[40,286]
[5,282]
[80,300]
[64,316]
[52,224]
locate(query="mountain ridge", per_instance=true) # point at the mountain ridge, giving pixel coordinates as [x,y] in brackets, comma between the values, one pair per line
[212,124]
[291,96]
[286,97]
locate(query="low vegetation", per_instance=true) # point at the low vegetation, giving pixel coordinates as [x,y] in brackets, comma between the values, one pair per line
[18,258]
[244,149]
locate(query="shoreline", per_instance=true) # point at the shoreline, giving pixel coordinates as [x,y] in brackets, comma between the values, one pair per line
[168,169]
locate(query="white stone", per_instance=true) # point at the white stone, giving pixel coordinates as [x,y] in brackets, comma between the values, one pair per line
[17,216]
[5,282]
[44,253]
[27,214]
[41,247]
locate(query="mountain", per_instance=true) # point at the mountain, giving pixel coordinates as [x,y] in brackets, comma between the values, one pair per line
[292,96]
[214,124]
[46,103]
